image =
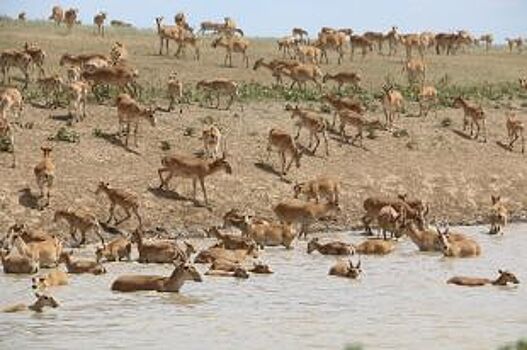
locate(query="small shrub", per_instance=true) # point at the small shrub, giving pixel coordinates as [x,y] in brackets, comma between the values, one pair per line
[165,146]
[400,133]
[5,145]
[65,135]
[446,122]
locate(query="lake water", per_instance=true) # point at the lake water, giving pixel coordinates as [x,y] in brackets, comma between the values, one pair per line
[402,302]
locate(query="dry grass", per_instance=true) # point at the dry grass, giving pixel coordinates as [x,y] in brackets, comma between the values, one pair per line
[455,174]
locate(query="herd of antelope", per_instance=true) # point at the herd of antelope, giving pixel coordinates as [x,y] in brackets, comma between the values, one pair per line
[25,250]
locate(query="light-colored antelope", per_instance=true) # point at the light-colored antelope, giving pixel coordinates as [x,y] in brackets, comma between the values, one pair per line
[233,45]
[237,256]
[345,268]
[373,205]
[488,39]
[457,249]
[126,199]
[473,115]
[165,33]
[301,74]
[82,60]
[174,91]
[427,99]
[308,54]
[189,166]
[182,272]
[343,78]
[313,122]
[358,121]
[53,278]
[219,87]
[11,100]
[37,56]
[159,251]
[17,59]
[14,262]
[374,247]
[7,132]
[211,136]
[304,213]
[287,45]
[38,306]
[330,248]
[98,20]
[323,186]
[392,105]
[340,104]
[393,40]
[78,266]
[45,253]
[275,67]
[332,41]
[426,239]
[359,42]
[390,220]
[237,272]
[416,71]
[515,130]
[70,18]
[78,96]
[118,53]
[79,220]
[504,278]
[283,143]
[498,215]
[130,113]
[57,15]
[118,249]
[45,174]
[230,241]
[120,76]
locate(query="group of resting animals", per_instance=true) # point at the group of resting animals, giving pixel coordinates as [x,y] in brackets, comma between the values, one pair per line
[26,250]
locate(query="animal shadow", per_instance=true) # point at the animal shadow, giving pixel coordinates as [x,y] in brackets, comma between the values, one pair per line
[28,199]
[62,118]
[113,139]
[505,146]
[268,168]
[462,134]
[173,195]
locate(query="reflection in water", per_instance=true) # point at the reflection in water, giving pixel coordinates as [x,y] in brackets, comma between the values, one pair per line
[401,302]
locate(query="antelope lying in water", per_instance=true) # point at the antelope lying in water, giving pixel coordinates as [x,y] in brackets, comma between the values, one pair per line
[457,249]
[51,279]
[38,306]
[173,283]
[331,248]
[502,280]
[345,268]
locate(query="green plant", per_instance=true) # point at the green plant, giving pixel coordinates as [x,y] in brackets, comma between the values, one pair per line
[66,135]
[165,146]
[519,345]
[446,122]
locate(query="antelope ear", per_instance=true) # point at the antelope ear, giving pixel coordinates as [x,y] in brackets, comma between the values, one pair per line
[500,271]
[358,264]
[38,295]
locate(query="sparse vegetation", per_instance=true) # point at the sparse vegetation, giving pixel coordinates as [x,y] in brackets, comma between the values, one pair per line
[65,134]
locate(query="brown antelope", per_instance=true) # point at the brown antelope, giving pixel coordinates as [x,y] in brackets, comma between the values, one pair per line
[120,76]
[79,220]
[29,235]
[45,253]
[227,28]
[57,15]
[330,248]
[275,67]
[21,17]
[229,241]
[184,39]
[343,78]
[117,250]
[211,141]
[518,42]
[359,42]
[51,279]
[7,132]
[78,96]
[70,18]
[392,104]
[503,279]
[523,82]
[17,59]
[332,41]
[14,262]
[98,20]
[81,266]
[175,91]
[126,199]
[374,247]
[472,115]
[159,251]
[37,56]
[373,205]
[11,100]
[45,174]
[426,239]
[118,53]
[313,122]
[38,306]
[301,73]
[326,186]
[393,39]
[233,44]
[261,268]
[305,213]
[350,117]
[80,61]
[498,216]
[119,23]
[514,130]
[416,71]
[237,272]
[345,268]
[130,113]
[212,254]
[427,99]
[411,42]
[340,104]
[286,45]
[219,87]
[300,34]
[182,272]
[189,166]
[463,248]
[390,220]
[284,144]
[488,39]
[308,54]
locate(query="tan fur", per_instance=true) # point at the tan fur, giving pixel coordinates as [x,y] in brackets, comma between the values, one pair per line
[51,279]
[46,253]
[57,15]
[303,213]
[38,306]
[45,174]
[313,122]
[498,215]
[359,122]
[301,74]
[7,132]
[229,241]
[460,248]
[427,99]
[122,77]
[51,87]
[11,100]
[98,20]
[70,18]
[14,262]
[503,279]
[125,199]
[375,247]
[17,59]
[416,71]
[81,266]
[392,104]
[275,66]
[80,61]
[211,136]
[130,114]
[209,255]
[473,115]
[238,272]
[175,91]
[79,220]
[233,45]
[390,220]
[515,128]
[37,56]
[359,42]
[78,97]
[284,144]
[219,87]
[308,54]
[343,78]
[330,248]
[158,251]
[189,166]
[345,268]
[326,186]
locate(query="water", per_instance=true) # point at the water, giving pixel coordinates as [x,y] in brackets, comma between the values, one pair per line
[402,302]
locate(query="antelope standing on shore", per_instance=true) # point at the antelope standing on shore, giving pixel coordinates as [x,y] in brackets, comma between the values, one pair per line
[314,123]
[498,215]
[79,220]
[392,104]
[126,199]
[98,20]
[219,87]
[427,99]
[233,45]
[473,115]
[211,141]
[326,186]
[343,78]
[130,113]
[515,128]
[45,174]
[283,143]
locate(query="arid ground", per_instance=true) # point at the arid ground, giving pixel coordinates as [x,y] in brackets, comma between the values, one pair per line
[432,160]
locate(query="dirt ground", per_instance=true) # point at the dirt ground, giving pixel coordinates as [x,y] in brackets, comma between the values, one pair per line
[455,174]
